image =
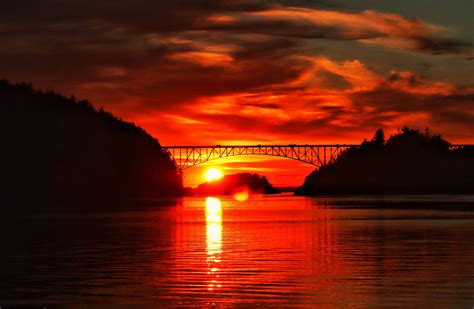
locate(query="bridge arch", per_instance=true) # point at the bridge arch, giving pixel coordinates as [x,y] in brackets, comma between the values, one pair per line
[316,155]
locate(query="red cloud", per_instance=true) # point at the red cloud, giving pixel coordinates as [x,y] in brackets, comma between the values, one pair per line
[305,110]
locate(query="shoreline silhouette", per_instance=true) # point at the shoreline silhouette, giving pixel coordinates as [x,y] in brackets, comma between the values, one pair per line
[234,184]
[61,150]
[409,162]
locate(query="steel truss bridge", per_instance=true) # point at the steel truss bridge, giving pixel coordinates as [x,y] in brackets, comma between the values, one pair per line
[317,155]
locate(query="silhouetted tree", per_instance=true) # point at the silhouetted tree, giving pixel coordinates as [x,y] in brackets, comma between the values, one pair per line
[379,138]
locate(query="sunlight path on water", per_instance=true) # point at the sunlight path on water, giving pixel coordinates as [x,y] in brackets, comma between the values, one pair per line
[213,240]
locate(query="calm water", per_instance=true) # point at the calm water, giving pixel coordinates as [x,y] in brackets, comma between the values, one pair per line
[270,250]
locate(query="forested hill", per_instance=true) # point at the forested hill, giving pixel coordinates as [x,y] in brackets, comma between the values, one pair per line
[56,148]
[410,162]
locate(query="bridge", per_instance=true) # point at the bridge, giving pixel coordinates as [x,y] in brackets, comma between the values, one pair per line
[317,155]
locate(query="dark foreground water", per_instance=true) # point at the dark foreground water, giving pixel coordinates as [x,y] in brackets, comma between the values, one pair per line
[274,250]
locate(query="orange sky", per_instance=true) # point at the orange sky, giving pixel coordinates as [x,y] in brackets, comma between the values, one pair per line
[253,72]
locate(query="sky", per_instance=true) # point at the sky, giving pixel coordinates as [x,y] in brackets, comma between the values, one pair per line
[206,72]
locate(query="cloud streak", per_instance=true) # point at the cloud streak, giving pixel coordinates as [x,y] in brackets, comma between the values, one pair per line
[368,27]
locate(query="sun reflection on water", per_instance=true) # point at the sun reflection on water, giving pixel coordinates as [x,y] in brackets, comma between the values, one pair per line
[213,240]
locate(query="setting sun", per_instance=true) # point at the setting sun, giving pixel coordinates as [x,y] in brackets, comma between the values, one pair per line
[213,174]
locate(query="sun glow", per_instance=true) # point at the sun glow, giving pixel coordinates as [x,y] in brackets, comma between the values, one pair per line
[213,174]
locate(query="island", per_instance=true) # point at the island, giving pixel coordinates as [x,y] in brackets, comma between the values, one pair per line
[58,150]
[235,184]
[409,162]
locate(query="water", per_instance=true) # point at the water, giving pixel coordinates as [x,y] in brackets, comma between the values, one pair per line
[270,250]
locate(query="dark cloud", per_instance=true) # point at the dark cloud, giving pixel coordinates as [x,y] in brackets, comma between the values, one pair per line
[266,47]
[412,79]
[333,81]
[262,105]
[439,109]
[146,15]
[292,28]
[440,46]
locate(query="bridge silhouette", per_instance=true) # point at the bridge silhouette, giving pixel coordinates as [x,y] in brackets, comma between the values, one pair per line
[316,155]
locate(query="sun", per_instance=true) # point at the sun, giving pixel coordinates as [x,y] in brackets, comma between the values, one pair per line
[213,174]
